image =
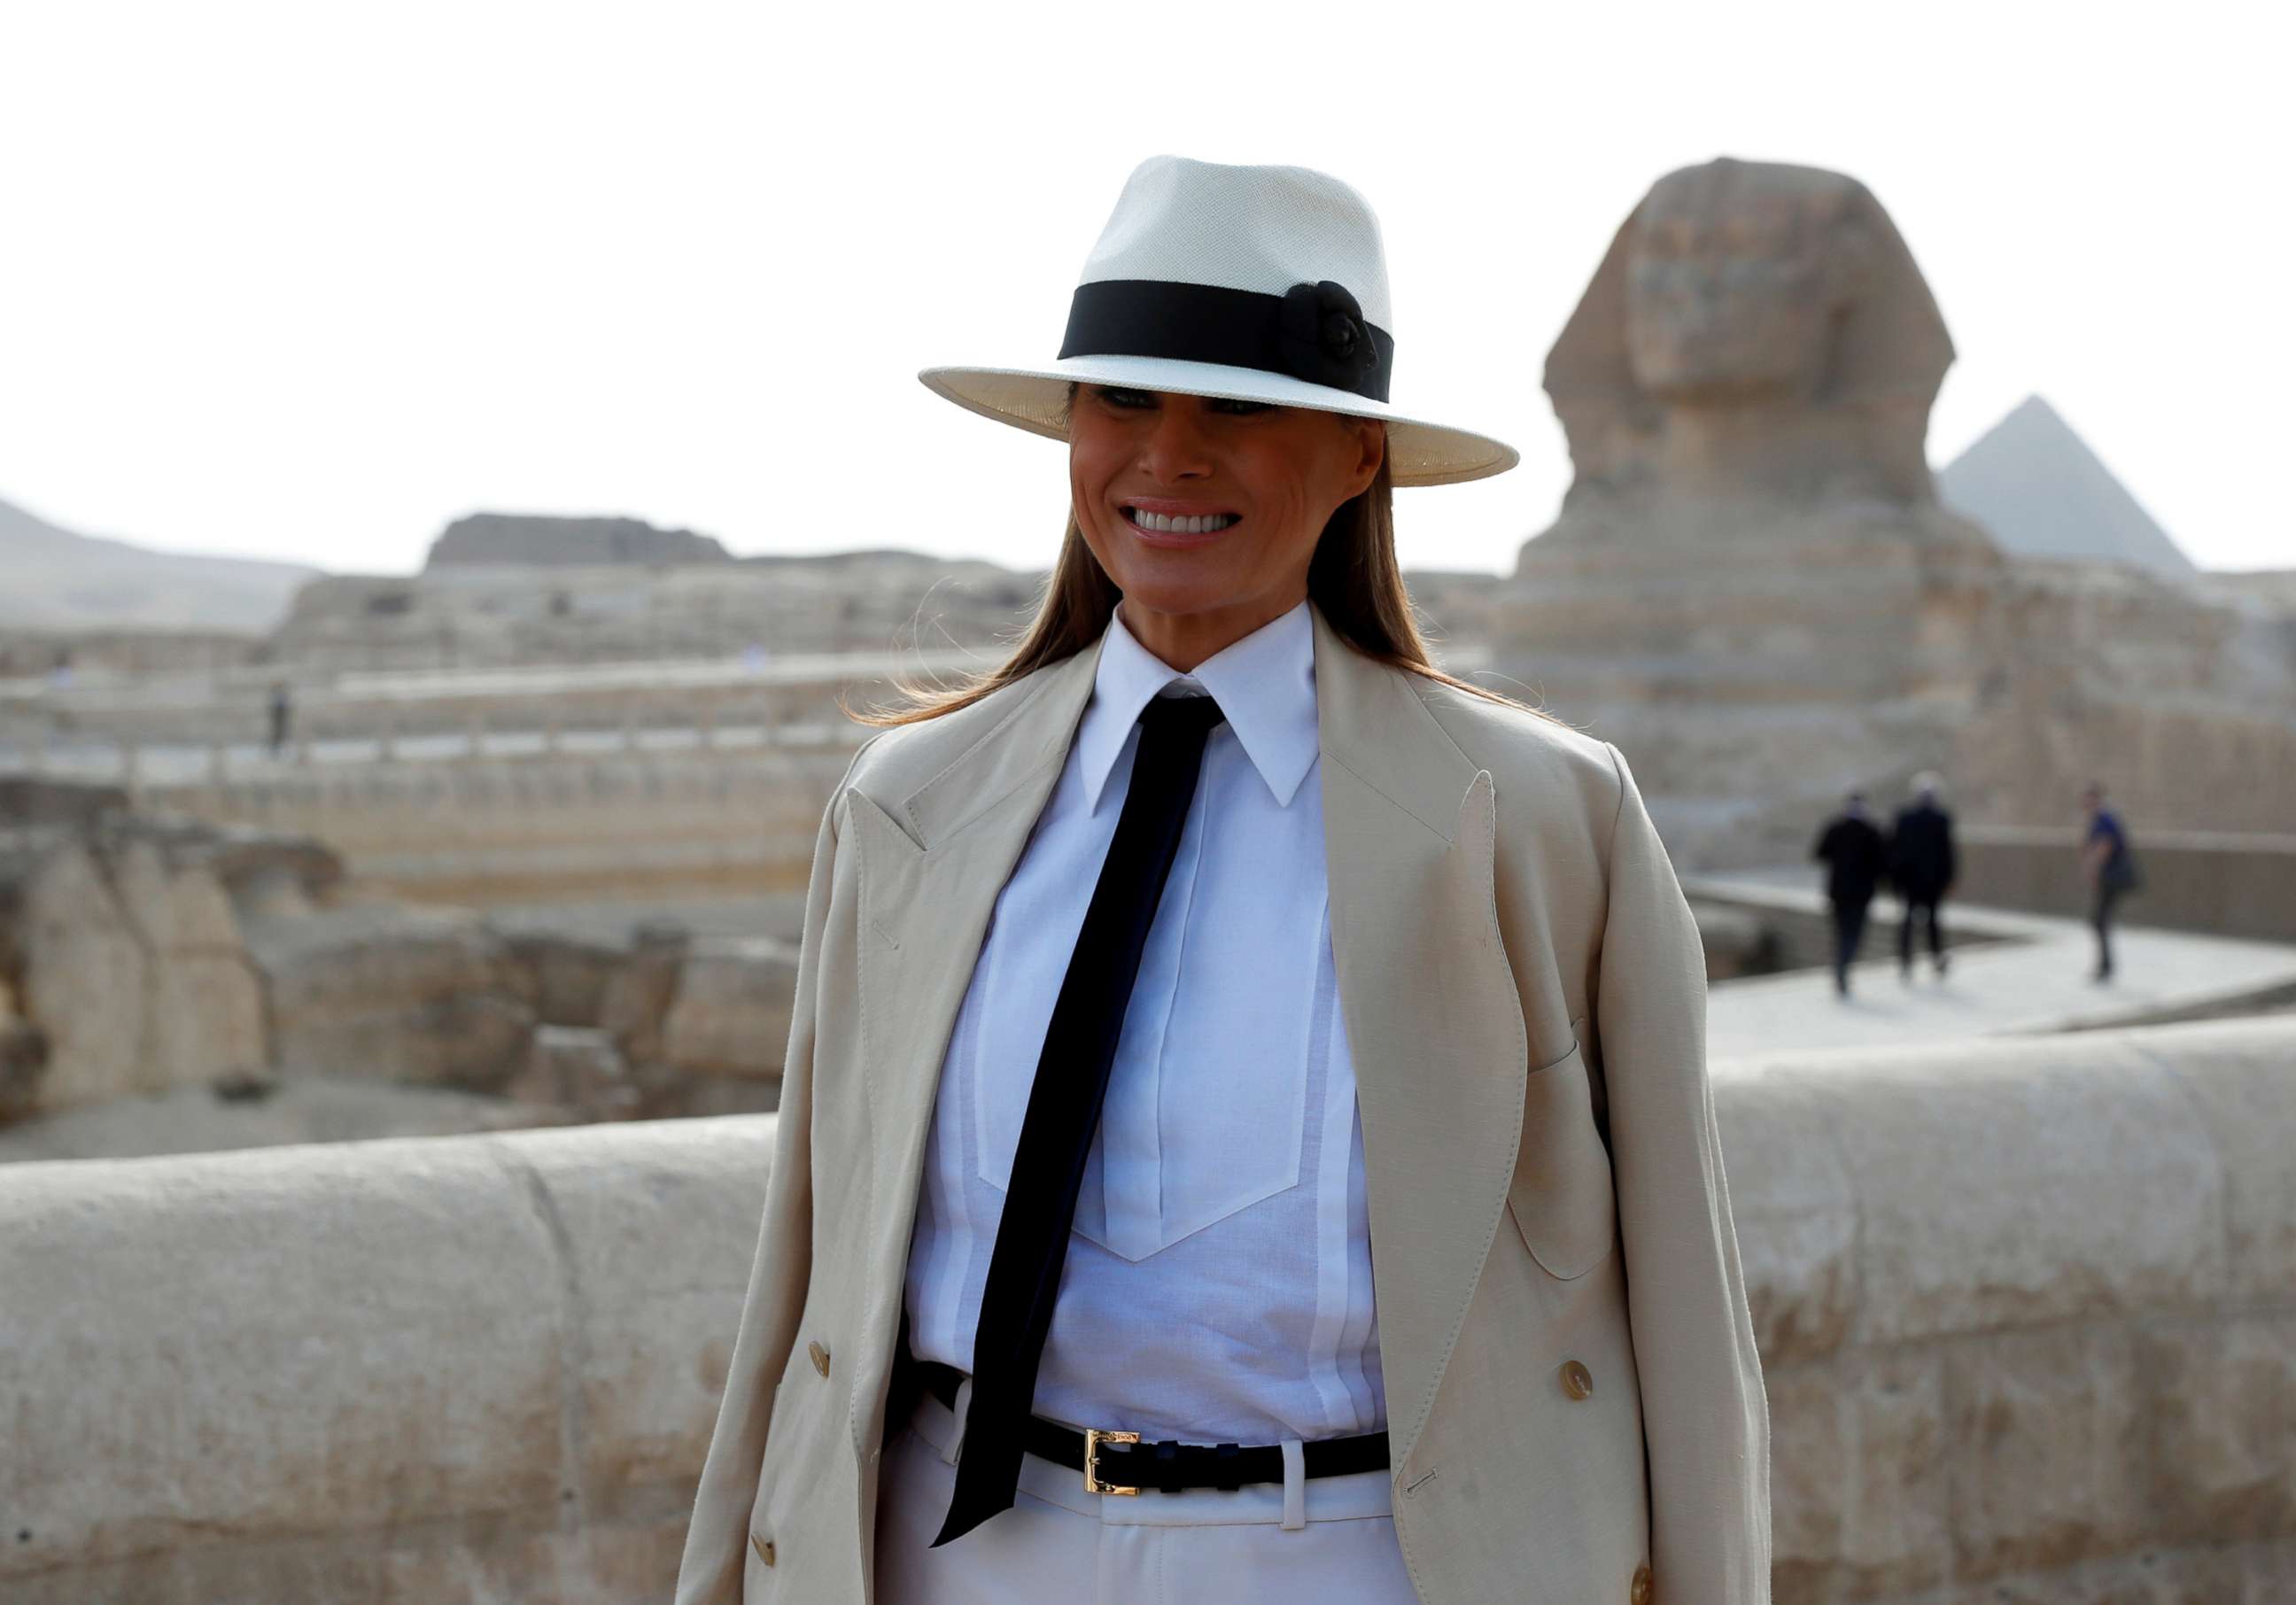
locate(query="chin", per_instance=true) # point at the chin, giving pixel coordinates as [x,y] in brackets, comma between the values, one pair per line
[1170,597]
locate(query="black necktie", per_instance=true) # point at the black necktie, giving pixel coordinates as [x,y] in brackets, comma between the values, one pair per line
[1032,1238]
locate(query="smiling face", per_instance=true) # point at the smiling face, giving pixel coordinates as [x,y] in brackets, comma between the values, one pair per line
[1206,512]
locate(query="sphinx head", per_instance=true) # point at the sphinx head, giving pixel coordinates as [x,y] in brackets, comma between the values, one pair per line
[1761,297]
[1738,278]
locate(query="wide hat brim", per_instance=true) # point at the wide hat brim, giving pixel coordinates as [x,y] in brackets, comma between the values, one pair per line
[1036,399]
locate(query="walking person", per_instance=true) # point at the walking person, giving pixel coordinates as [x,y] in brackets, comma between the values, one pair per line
[1152,978]
[1856,858]
[282,716]
[1922,867]
[2109,865]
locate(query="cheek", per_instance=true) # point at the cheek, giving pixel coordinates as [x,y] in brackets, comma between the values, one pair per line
[1084,474]
[1283,488]
[1098,442]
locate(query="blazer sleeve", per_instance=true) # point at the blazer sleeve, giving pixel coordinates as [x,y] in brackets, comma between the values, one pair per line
[710,1572]
[1705,1420]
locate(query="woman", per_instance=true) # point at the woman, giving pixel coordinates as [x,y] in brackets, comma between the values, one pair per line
[1231,1058]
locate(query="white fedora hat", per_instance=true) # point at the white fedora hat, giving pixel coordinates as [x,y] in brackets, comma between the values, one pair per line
[1255,283]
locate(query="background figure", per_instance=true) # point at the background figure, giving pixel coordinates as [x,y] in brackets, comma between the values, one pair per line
[1852,848]
[2111,870]
[1922,867]
[282,714]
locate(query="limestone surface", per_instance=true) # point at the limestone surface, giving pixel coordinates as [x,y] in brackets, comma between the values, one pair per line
[732,1013]
[127,959]
[1751,587]
[1754,590]
[427,996]
[2047,1353]
[579,1071]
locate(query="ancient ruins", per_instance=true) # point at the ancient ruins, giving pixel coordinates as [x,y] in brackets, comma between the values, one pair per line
[1754,589]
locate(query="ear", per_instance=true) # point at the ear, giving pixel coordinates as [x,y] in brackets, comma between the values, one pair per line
[1369,435]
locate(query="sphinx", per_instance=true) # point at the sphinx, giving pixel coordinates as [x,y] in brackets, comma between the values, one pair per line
[1751,572]
[1752,587]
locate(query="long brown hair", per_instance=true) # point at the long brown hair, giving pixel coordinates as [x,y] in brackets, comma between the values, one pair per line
[1353,579]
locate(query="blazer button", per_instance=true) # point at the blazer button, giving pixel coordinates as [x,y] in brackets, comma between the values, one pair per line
[1578,1383]
[1639,1592]
[820,1357]
[765,1548]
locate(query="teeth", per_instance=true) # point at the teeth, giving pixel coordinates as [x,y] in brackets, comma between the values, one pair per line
[1166,524]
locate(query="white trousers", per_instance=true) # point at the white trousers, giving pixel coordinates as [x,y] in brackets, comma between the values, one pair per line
[1060,1545]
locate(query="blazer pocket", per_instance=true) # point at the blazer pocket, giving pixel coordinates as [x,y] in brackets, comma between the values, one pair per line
[1562,1198]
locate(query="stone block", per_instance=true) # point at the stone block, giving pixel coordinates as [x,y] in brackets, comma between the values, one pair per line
[481,1560]
[85,973]
[1859,1476]
[176,909]
[252,1347]
[23,1061]
[571,974]
[419,995]
[2240,1077]
[2023,1182]
[638,996]
[2221,1404]
[1796,1217]
[259,866]
[27,801]
[2205,1575]
[205,1020]
[698,1097]
[731,1015]
[660,1224]
[577,1068]
[202,1005]
[2046,1444]
[473,1041]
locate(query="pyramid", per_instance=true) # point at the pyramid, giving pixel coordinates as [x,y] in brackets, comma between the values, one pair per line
[2040,491]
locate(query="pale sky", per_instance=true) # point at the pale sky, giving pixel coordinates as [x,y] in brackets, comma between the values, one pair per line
[308,280]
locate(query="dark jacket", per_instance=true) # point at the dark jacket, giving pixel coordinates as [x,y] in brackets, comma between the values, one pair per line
[1921,852]
[1856,860]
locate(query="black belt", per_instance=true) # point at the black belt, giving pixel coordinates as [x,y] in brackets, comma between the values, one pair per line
[1119,1462]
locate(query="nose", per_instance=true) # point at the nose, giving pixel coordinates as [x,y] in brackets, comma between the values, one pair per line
[1177,448]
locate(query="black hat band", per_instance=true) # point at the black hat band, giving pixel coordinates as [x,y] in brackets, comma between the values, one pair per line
[1313,332]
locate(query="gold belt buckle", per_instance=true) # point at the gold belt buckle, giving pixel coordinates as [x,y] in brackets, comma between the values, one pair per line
[1093,1439]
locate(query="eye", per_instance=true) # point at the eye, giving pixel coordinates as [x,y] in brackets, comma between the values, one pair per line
[1129,400]
[1222,403]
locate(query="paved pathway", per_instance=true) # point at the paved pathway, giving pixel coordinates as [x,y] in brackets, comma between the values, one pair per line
[2038,980]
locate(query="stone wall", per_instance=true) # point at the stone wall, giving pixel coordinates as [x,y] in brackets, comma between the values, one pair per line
[464,615]
[2221,882]
[123,970]
[2028,1314]
[148,956]
[2027,1309]
[535,830]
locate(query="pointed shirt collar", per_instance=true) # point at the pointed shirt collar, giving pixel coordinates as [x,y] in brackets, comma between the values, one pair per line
[1265,684]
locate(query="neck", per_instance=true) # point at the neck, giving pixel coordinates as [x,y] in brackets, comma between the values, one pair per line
[1183,640]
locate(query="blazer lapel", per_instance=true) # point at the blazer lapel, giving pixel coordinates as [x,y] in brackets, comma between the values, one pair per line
[934,840]
[1434,1022]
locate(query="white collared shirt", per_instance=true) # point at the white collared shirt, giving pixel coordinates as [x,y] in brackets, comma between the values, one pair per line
[1217,1285]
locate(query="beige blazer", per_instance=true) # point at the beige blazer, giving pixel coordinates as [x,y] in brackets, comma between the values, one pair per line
[1574,1400]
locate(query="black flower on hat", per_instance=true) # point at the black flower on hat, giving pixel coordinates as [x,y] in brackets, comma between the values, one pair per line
[1324,337]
